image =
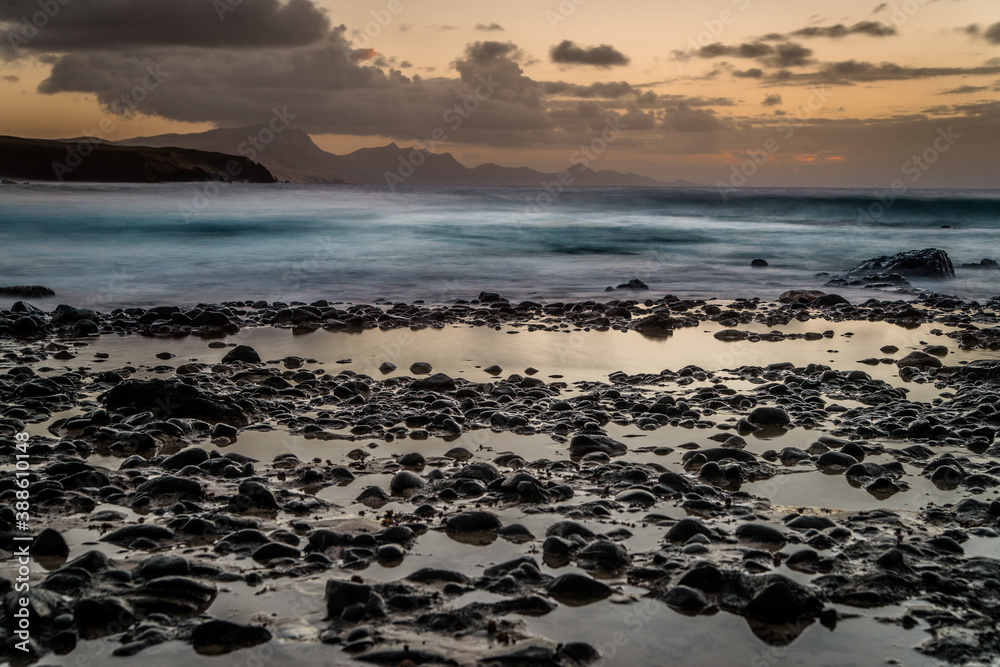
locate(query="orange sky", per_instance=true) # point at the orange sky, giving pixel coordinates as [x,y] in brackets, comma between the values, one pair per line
[857,128]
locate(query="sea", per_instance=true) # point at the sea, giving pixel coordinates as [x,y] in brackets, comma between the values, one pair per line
[106,246]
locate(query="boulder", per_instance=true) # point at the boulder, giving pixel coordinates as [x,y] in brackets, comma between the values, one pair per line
[243,353]
[174,399]
[927,263]
[217,637]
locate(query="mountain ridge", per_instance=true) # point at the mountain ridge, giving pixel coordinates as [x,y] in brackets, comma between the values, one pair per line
[291,155]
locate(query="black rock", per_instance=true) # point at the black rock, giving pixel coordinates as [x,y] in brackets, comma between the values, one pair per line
[191,456]
[604,555]
[129,534]
[168,399]
[217,637]
[765,416]
[686,600]
[920,360]
[404,481]
[259,496]
[927,263]
[172,487]
[49,542]
[64,314]
[341,595]
[685,529]
[274,550]
[759,263]
[243,353]
[473,522]
[587,443]
[98,617]
[162,565]
[436,382]
[27,291]
[576,590]
[761,534]
[782,601]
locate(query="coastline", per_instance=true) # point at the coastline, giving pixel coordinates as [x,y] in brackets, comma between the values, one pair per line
[613,461]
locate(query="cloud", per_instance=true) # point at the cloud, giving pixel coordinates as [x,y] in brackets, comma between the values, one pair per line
[10,78]
[748,50]
[964,90]
[785,54]
[849,72]
[119,24]
[685,119]
[603,90]
[599,56]
[870,28]
[992,34]
[771,100]
[492,27]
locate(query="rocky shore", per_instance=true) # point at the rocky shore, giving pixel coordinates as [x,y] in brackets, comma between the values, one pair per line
[624,490]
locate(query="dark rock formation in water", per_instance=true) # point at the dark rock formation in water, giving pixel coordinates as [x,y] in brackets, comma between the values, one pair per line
[94,160]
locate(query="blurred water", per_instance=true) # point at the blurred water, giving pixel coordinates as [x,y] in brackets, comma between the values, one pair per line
[112,245]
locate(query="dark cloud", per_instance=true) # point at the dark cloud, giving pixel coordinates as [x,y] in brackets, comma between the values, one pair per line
[685,119]
[964,90]
[871,28]
[771,100]
[111,25]
[789,55]
[603,90]
[752,73]
[492,27]
[599,56]
[849,72]
[10,78]
[785,54]
[748,50]
[992,34]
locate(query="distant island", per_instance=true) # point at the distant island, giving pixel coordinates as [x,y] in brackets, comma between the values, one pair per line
[93,160]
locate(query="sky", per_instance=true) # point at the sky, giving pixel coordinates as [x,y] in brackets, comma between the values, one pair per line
[759,93]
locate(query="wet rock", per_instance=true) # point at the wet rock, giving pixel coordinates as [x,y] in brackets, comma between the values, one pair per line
[436,382]
[473,522]
[243,353]
[584,444]
[162,565]
[576,590]
[258,496]
[345,598]
[49,542]
[405,481]
[685,529]
[217,637]
[421,368]
[99,617]
[174,399]
[758,533]
[603,555]
[782,601]
[130,534]
[836,461]
[275,550]
[766,416]
[173,595]
[191,456]
[686,600]
[927,263]
[920,361]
